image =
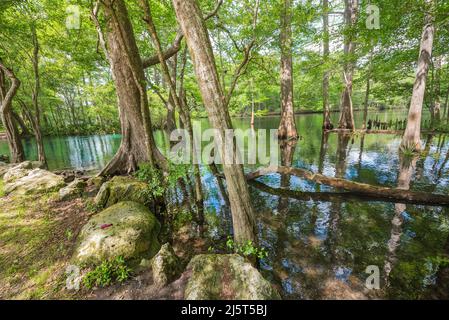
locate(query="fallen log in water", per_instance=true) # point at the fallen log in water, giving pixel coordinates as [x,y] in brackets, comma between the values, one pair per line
[379,131]
[362,189]
[328,196]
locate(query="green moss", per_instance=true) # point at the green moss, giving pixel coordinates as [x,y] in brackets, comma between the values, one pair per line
[2,188]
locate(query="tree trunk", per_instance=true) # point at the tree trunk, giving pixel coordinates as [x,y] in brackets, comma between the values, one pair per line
[192,23]
[327,124]
[287,126]
[179,103]
[18,119]
[412,134]
[137,143]
[346,109]
[37,111]
[367,91]
[6,97]
[437,91]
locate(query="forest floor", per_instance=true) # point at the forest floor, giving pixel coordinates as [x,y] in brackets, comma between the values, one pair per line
[37,239]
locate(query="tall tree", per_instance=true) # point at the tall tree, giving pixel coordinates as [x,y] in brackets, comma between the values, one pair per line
[36,123]
[412,134]
[175,98]
[287,126]
[137,143]
[6,97]
[192,23]
[326,109]
[346,109]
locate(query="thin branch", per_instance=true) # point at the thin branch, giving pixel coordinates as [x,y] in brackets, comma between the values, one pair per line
[176,46]
[241,69]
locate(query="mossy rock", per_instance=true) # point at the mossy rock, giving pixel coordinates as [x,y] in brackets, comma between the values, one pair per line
[73,190]
[166,266]
[96,182]
[121,188]
[226,277]
[126,229]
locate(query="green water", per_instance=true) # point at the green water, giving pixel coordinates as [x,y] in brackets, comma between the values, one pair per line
[321,248]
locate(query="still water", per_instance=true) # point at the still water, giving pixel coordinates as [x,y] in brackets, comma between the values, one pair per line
[322,248]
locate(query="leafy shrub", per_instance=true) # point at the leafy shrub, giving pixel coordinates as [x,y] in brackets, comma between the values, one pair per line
[106,273]
[247,249]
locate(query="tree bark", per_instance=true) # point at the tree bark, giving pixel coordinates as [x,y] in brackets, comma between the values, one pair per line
[137,143]
[6,97]
[346,109]
[412,134]
[287,126]
[194,29]
[327,124]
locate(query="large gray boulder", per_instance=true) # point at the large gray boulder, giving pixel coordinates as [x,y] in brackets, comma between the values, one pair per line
[36,181]
[126,229]
[73,190]
[226,277]
[17,171]
[166,266]
[121,188]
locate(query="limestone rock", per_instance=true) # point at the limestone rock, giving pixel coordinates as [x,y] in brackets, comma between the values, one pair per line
[20,170]
[125,229]
[226,276]
[36,181]
[166,266]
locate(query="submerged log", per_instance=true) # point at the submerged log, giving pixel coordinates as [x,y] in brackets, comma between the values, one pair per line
[378,131]
[328,196]
[357,188]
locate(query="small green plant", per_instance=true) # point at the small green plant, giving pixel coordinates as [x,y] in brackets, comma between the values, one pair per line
[408,149]
[159,184]
[106,273]
[69,234]
[93,207]
[181,217]
[153,178]
[247,249]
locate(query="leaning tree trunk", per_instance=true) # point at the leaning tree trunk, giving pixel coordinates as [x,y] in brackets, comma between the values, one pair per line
[327,124]
[36,123]
[346,109]
[287,126]
[137,143]
[6,97]
[193,26]
[412,134]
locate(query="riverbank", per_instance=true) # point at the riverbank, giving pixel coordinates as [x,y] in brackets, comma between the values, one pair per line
[45,234]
